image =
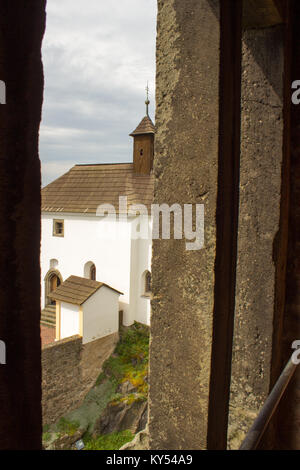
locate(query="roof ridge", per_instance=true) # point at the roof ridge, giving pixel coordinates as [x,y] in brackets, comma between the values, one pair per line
[102,164]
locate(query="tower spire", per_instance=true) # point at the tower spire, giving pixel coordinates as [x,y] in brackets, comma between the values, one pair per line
[147,102]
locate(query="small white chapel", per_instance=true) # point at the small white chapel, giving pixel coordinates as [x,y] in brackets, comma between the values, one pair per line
[75,238]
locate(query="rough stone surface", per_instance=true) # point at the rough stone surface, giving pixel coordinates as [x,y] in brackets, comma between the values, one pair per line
[259,216]
[126,387]
[122,417]
[69,370]
[140,441]
[185,166]
[93,356]
[66,442]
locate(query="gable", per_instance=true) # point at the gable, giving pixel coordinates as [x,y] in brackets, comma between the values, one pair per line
[76,290]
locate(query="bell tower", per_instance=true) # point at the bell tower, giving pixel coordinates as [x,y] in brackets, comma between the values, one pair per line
[143,143]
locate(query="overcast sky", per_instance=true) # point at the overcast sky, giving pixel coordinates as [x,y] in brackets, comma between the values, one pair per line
[98,56]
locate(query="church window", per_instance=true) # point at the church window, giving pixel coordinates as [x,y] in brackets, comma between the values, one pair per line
[89,271]
[148,282]
[93,273]
[58,228]
[146,279]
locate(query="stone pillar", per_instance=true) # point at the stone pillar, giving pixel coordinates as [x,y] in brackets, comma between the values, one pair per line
[195,162]
[259,225]
[22,24]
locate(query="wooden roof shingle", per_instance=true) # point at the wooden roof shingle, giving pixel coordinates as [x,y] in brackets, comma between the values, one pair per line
[76,290]
[146,126]
[84,187]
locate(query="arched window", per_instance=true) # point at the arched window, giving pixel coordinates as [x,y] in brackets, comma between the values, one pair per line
[146,283]
[53,279]
[93,273]
[90,271]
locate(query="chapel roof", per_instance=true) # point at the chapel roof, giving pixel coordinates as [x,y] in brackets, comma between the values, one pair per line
[76,290]
[146,126]
[84,187]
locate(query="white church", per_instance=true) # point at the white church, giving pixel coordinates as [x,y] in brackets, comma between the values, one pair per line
[77,242]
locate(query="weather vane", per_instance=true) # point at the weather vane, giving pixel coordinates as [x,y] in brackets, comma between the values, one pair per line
[147,102]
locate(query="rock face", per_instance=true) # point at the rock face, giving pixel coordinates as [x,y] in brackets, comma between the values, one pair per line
[140,442]
[126,387]
[66,441]
[121,417]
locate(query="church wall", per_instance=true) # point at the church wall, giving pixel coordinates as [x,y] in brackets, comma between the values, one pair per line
[81,243]
[141,253]
[106,243]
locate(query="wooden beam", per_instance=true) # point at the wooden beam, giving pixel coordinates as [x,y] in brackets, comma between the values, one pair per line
[262,13]
[22,25]
[227,222]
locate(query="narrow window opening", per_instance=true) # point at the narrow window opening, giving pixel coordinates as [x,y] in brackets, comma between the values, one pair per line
[58,228]
[93,273]
[146,284]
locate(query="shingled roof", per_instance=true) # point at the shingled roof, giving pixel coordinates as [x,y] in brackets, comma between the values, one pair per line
[146,126]
[85,187]
[76,290]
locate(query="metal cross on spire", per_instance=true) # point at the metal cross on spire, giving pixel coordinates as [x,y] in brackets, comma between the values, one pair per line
[147,102]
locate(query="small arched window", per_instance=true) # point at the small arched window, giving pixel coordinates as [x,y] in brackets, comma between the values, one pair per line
[90,271]
[146,283]
[93,273]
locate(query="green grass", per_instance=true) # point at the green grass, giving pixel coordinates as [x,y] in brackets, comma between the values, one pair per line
[130,360]
[46,436]
[100,379]
[111,441]
[65,426]
[46,428]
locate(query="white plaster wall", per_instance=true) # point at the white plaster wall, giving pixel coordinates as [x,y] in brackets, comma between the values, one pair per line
[69,320]
[100,315]
[141,253]
[119,260]
[88,238]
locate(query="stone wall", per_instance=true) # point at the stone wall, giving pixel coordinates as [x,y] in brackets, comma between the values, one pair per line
[259,222]
[185,166]
[69,369]
[194,305]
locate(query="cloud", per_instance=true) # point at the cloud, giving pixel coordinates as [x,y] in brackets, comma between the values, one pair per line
[98,57]
[52,169]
